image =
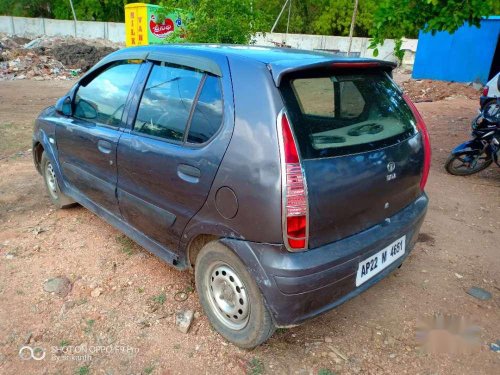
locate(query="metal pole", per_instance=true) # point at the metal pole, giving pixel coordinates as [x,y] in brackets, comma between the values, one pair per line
[353,22]
[12,25]
[74,14]
[279,16]
[288,22]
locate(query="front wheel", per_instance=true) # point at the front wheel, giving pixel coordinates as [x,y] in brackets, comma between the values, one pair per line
[49,176]
[230,297]
[465,163]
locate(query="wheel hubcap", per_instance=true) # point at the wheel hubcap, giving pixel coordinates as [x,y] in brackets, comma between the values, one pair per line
[50,177]
[228,296]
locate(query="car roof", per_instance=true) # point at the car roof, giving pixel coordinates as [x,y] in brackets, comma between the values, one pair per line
[279,60]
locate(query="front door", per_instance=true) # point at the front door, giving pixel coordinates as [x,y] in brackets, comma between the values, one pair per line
[87,140]
[169,158]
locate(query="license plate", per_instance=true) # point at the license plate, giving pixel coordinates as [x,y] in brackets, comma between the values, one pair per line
[376,263]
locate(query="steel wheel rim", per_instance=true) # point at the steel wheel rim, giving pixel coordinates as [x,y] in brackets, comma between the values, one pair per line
[227,296]
[50,177]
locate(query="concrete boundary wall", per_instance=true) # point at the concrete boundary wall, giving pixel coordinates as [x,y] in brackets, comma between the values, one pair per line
[339,44]
[33,27]
[115,32]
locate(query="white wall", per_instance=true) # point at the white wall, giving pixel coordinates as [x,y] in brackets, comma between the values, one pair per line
[338,44]
[33,27]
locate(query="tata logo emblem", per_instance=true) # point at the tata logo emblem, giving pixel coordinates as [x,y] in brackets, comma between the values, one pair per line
[391,166]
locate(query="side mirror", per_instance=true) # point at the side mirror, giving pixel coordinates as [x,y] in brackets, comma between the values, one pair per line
[63,106]
[86,109]
[498,82]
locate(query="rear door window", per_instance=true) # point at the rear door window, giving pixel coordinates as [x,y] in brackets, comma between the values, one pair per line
[167,101]
[207,116]
[335,115]
[180,104]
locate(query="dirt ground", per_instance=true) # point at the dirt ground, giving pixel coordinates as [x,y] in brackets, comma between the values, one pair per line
[123,298]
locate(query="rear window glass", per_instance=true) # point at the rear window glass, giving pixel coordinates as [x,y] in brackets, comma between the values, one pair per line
[335,115]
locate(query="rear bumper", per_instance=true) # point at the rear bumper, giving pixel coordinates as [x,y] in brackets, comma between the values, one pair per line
[300,286]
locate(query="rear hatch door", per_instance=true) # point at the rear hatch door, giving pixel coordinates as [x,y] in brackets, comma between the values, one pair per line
[361,152]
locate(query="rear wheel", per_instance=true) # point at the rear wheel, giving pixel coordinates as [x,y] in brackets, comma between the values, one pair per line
[230,297]
[56,196]
[464,164]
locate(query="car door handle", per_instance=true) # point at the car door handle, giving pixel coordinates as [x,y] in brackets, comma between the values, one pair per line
[188,173]
[104,146]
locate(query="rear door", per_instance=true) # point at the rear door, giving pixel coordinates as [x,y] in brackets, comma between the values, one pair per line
[360,149]
[168,159]
[87,140]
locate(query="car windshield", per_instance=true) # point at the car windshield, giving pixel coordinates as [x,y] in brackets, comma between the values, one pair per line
[340,114]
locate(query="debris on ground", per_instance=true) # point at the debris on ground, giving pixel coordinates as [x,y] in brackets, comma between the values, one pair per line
[96,292]
[58,285]
[80,56]
[495,346]
[46,57]
[424,90]
[337,352]
[183,320]
[479,293]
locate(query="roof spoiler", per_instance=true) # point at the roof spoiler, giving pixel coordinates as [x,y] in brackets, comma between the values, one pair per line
[281,68]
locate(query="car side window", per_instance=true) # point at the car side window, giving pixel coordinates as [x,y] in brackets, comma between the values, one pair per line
[166,102]
[103,99]
[207,115]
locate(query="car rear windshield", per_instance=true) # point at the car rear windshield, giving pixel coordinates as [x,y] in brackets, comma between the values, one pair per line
[339,114]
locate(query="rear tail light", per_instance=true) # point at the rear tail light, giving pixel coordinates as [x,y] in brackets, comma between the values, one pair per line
[486,89]
[422,128]
[294,190]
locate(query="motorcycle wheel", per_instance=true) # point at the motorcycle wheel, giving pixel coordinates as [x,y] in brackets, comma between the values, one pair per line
[465,164]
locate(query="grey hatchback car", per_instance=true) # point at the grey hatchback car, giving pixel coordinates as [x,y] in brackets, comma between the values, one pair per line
[290,181]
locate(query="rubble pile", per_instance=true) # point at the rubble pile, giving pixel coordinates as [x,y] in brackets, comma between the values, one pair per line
[49,57]
[430,91]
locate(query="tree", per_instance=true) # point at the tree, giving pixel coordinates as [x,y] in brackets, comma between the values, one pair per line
[335,17]
[217,21]
[400,18]
[86,10]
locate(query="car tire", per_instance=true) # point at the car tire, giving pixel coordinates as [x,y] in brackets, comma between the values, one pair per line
[52,185]
[230,297]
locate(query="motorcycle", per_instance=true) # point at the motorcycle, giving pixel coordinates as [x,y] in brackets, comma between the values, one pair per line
[477,154]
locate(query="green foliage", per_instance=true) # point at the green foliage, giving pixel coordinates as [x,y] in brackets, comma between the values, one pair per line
[89,326]
[235,21]
[160,298]
[325,371]
[335,17]
[127,245]
[404,18]
[149,370]
[255,367]
[217,21]
[27,8]
[86,10]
